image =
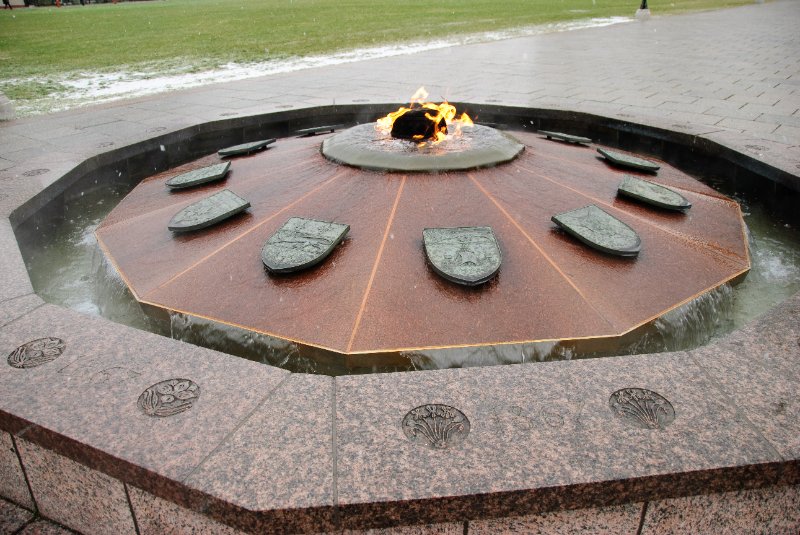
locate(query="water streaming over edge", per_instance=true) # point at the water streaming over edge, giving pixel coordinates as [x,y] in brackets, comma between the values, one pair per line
[68,268]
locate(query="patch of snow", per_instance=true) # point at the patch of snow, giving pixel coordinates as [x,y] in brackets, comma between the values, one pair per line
[87,88]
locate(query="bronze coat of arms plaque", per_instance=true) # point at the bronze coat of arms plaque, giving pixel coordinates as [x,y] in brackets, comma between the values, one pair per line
[245,148]
[209,211]
[464,255]
[301,243]
[624,160]
[569,138]
[600,230]
[654,194]
[199,176]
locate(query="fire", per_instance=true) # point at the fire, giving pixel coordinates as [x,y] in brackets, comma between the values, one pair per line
[443,113]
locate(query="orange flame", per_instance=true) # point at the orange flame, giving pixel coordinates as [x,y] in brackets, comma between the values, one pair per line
[438,112]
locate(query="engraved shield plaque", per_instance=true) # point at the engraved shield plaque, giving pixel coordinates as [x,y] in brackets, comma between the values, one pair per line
[301,243]
[600,230]
[199,176]
[654,194]
[569,138]
[209,211]
[319,130]
[623,160]
[464,255]
[245,148]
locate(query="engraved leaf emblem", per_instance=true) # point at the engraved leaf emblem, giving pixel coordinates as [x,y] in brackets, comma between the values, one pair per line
[168,397]
[437,426]
[36,352]
[149,402]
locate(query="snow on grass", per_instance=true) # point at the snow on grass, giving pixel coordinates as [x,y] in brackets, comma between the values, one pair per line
[87,88]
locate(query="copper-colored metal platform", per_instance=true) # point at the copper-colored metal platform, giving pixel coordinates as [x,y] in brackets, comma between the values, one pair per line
[376,293]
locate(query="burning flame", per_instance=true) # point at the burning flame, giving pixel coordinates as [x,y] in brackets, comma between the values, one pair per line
[437,112]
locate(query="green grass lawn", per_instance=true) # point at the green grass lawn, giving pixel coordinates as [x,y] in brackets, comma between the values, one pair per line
[163,34]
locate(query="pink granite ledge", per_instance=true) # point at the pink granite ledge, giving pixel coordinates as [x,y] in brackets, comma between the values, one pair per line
[83,404]
[542,437]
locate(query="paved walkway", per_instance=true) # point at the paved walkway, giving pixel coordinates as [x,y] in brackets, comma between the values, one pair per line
[732,76]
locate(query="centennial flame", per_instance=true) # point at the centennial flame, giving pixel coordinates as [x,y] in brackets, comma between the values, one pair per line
[437,112]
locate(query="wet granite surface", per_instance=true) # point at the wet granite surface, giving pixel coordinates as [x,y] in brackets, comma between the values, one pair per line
[18,307]
[15,281]
[280,458]
[88,395]
[768,511]
[769,351]
[12,517]
[12,478]
[619,519]
[555,427]
[43,527]
[155,516]
[79,497]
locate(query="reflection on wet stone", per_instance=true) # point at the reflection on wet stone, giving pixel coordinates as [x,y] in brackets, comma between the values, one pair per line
[436,426]
[36,352]
[169,397]
[642,408]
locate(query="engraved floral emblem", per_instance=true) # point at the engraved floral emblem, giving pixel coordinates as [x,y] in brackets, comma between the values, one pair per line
[436,426]
[169,397]
[642,408]
[36,352]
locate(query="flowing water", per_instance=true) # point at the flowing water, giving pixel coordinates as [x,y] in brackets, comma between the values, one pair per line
[68,268]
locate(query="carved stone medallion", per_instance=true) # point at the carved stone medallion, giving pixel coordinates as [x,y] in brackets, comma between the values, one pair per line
[169,397]
[464,255]
[209,211]
[36,352]
[651,193]
[624,160]
[301,243]
[199,176]
[436,426]
[642,408]
[319,130]
[569,138]
[600,230]
[245,148]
